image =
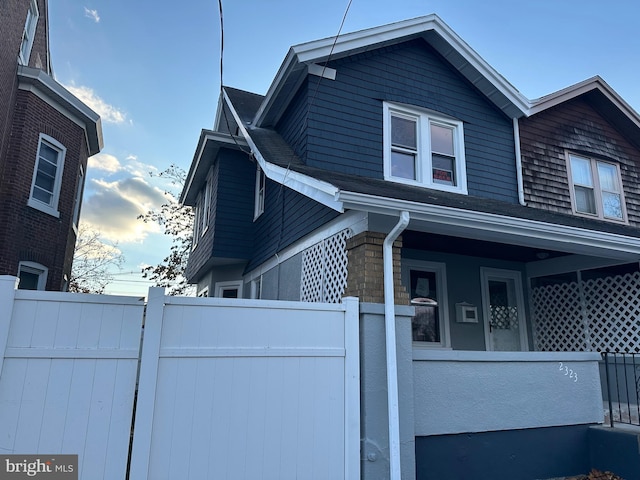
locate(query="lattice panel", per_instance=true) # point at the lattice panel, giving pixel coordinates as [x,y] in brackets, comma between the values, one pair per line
[324,269]
[558,324]
[613,312]
[605,317]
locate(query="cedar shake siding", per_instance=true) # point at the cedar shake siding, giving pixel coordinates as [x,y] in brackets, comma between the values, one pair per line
[337,124]
[573,126]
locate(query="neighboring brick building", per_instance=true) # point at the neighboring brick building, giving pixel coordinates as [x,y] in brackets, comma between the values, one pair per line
[46,137]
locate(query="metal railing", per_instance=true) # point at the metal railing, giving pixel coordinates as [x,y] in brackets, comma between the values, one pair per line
[622,373]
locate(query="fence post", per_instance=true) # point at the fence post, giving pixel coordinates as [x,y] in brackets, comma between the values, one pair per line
[8,286]
[606,373]
[352,387]
[149,358]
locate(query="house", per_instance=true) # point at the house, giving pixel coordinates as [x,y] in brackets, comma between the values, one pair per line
[46,137]
[500,233]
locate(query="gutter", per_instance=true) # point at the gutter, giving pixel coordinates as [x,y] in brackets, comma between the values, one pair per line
[390,340]
[516,138]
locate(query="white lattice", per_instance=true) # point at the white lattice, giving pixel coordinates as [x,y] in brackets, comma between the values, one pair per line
[613,312]
[324,269]
[558,324]
[603,315]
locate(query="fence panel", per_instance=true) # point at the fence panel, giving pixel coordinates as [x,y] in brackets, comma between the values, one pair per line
[67,377]
[233,389]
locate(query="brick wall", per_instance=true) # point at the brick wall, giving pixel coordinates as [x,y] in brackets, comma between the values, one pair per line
[366,269]
[32,235]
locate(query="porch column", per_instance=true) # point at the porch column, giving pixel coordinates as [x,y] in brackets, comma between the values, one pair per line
[365,279]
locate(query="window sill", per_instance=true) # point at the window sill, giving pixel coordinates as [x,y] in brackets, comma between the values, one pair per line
[43,208]
[432,186]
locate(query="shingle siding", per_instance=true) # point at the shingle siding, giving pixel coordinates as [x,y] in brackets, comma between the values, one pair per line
[573,126]
[344,122]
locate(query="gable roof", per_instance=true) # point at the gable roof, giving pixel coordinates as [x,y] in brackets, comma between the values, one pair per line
[602,97]
[431,28]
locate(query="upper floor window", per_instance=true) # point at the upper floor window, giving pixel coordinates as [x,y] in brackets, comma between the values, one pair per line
[424,148]
[203,210]
[47,176]
[596,188]
[28,33]
[259,193]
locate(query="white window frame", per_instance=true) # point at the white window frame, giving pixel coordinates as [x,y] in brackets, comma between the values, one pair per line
[220,287]
[597,189]
[52,207]
[28,33]
[424,119]
[256,288]
[440,271]
[37,269]
[206,203]
[261,184]
[77,202]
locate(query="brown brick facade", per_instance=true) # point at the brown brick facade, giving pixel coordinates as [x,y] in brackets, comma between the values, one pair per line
[366,269]
[26,233]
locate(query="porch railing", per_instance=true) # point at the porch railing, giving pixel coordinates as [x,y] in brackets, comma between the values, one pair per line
[622,374]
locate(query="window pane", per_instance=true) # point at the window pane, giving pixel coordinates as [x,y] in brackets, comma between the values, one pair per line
[443,170]
[49,153]
[442,139]
[425,325]
[28,280]
[585,201]
[581,171]
[612,205]
[403,133]
[403,165]
[608,176]
[42,195]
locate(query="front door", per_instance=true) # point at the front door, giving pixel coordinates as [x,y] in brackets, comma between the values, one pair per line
[503,306]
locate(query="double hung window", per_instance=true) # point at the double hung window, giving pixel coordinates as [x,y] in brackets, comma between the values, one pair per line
[259,193]
[47,176]
[424,148]
[596,188]
[28,33]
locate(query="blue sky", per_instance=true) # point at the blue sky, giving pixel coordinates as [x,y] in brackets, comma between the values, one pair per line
[152,70]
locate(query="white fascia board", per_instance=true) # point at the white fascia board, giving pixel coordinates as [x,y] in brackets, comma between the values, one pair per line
[45,87]
[317,190]
[500,228]
[580,88]
[224,139]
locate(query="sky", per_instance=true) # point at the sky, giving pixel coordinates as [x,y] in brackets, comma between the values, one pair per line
[151,69]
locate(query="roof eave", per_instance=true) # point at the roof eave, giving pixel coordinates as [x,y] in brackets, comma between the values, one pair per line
[43,85]
[500,228]
[212,142]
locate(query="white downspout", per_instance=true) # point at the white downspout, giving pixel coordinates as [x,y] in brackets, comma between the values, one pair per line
[516,138]
[390,339]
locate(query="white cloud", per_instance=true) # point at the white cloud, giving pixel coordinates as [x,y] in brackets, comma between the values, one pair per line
[108,113]
[92,14]
[105,162]
[114,208]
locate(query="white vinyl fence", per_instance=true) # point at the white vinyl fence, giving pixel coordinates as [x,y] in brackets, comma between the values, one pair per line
[228,389]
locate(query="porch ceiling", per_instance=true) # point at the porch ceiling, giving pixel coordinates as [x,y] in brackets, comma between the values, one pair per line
[476,248]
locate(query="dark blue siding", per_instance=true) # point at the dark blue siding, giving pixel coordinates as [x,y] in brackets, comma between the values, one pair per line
[288,216]
[344,125]
[291,127]
[235,204]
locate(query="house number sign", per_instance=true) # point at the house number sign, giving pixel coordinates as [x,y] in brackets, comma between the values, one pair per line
[568,371]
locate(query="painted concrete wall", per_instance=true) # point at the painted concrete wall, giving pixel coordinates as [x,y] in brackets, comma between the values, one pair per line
[481,391]
[373,392]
